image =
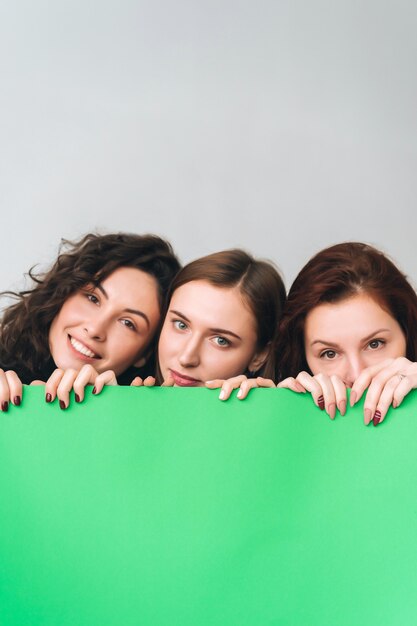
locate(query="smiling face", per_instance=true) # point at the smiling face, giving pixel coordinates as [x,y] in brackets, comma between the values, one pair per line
[108,326]
[209,332]
[345,337]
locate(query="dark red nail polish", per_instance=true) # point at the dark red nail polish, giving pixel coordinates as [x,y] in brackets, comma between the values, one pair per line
[62,404]
[4,406]
[48,397]
[94,391]
[77,398]
[17,400]
[376,418]
[320,402]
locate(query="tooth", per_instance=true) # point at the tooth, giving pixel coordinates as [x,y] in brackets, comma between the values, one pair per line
[81,348]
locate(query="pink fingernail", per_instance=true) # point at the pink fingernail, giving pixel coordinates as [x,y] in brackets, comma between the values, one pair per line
[342,407]
[368,415]
[353,397]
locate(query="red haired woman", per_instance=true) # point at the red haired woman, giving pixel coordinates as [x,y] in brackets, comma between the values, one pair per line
[350,321]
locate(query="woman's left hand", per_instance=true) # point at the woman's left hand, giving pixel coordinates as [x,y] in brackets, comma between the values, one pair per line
[387,384]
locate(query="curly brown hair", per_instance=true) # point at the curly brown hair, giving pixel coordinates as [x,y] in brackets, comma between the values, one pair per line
[24,328]
[332,275]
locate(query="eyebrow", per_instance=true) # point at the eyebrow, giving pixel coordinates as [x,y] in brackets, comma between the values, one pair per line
[133,311]
[336,345]
[220,331]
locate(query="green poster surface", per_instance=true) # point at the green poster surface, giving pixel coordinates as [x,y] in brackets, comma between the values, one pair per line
[166,507]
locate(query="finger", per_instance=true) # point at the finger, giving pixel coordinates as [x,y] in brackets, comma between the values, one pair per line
[384,401]
[291,383]
[340,392]
[375,391]
[251,383]
[311,384]
[4,392]
[15,387]
[329,394]
[149,381]
[216,383]
[406,384]
[86,376]
[105,378]
[230,384]
[52,383]
[37,383]
[168,382]
[365,378]
[65,385]
[137,382]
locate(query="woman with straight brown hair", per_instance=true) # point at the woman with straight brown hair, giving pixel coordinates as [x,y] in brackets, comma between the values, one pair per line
[222,318]
[350,321]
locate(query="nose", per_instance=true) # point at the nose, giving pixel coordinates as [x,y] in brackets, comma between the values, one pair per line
[96,327]
[354,366]
[190,353]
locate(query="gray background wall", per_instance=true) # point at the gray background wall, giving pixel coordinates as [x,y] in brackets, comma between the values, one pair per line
[278,126]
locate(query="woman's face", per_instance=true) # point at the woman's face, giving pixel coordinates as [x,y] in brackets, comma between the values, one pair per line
[208,333]
[345,337]
[108,326]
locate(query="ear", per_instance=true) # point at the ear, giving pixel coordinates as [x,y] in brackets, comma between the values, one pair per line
[141,362]
[259,359]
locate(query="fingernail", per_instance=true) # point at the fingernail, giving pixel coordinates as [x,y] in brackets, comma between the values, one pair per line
[394,404]
[342,407]
[368,416]
[94,391]
[332,410]
[320,402]
[376,418]
[239,393]
[77,398]
[353,396]
[62,404]
[4,406]
[17,400]
[221,395]
[48,397]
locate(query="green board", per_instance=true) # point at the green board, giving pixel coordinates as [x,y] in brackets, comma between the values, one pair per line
[166,507]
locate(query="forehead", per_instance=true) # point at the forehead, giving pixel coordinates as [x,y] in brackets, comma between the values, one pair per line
[357,315]
[131,285]
[212,306]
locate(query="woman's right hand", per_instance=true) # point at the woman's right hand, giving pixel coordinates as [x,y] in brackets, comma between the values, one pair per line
[11,389]
[241,382]
[61,382]
[329,392]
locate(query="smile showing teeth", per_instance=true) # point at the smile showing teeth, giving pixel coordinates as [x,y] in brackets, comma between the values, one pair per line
[79,347]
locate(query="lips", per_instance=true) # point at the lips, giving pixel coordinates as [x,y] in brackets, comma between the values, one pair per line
[184,381]
[81,349]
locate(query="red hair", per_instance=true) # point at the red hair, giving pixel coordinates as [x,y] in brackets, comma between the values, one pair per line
[332,275]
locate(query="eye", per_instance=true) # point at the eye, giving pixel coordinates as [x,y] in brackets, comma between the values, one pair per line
[128,323]
[328,354]
[92,298]
[376,343]
[180,325]
[221,342]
